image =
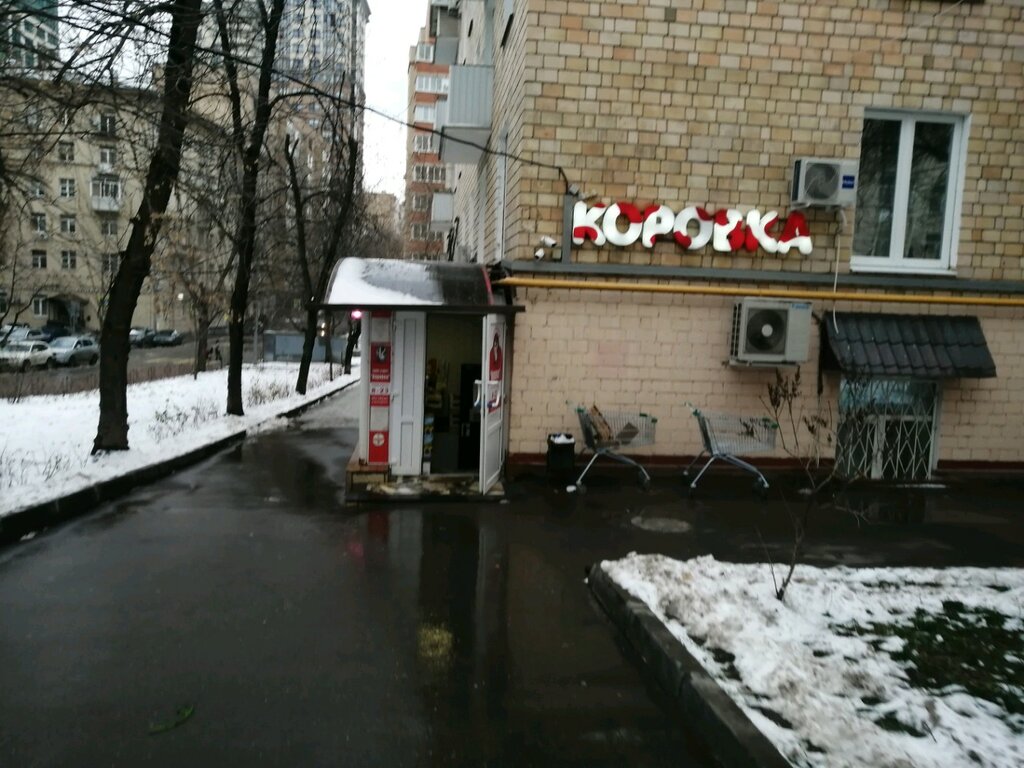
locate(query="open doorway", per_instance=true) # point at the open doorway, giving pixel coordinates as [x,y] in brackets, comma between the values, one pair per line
[451,423]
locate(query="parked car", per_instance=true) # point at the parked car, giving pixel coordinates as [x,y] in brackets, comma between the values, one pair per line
[74,350]
[21,333]
[141,337]
[53,331]
[167,338]
[22,355]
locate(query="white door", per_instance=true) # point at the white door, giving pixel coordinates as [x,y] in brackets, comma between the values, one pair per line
[407,382]
[492,401]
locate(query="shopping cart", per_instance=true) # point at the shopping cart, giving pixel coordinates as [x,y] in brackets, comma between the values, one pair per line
[606,433]
[725,435]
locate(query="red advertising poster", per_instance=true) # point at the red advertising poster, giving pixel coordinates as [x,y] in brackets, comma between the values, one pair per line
[378,453]
[495,366]
[380,362]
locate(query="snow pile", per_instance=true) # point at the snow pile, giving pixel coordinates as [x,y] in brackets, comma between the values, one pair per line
[46,441]
[818,690]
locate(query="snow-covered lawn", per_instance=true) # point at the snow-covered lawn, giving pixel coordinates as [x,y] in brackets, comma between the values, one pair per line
[45,441]
[878,667]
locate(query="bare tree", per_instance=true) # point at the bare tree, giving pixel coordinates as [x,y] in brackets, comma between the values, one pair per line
[112,431]
[323,219]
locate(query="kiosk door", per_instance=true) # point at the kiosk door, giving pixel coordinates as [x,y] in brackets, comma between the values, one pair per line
[407,392]
[492,402]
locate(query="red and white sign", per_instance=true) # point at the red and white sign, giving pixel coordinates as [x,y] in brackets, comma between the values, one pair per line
[380,387]
[692,228]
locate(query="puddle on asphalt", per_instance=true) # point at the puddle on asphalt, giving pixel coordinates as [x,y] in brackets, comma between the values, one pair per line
[661,524]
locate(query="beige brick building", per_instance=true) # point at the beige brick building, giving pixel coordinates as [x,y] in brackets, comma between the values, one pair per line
[707,104]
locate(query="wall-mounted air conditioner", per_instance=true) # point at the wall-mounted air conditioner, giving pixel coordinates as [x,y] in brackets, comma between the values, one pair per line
[823,181]
[770,332]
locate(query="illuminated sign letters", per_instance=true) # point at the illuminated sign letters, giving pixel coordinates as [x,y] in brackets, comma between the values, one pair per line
[728,230]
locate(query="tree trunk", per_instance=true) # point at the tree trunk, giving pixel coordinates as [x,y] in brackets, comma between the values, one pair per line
[201,322]
[112,430]
[308,341]
[350,346]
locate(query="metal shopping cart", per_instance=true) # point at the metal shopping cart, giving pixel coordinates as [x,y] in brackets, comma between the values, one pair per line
[606,433]
[725,435]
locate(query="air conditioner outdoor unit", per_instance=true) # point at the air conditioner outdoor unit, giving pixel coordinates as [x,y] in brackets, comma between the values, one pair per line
[770,332]
[823,181]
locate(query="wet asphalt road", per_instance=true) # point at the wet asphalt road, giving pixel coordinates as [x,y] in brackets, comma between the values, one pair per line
[307,635]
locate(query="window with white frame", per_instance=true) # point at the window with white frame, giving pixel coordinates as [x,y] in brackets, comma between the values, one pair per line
[110,262]
[67,188]
[39,223]
[429,173]
[421,202]
[69,259]
[908,191]
[425,113]
[39,308]
[38,259]
[37,189]
[68,225]
[66,151]
[109,227]
[107,123]
[424,142]
[432,83]
[419,231]
[108,155]
[424,52]
[106,186]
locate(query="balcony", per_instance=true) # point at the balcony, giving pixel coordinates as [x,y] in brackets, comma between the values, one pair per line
[442,211]
[467,114]
[106,204]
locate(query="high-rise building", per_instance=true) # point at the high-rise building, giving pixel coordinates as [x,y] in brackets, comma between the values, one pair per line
[29,37]
[425,175]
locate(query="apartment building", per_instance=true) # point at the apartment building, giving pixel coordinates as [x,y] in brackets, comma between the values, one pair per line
[29,35]
[78,170]
[426,177]
[698,195]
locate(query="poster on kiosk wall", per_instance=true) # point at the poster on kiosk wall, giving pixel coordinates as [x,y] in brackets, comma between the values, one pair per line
[380,387]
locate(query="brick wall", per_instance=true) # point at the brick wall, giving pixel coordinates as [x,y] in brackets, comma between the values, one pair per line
[707,102]
[655,353]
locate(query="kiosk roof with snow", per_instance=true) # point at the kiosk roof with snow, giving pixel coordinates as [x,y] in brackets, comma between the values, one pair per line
[414,285]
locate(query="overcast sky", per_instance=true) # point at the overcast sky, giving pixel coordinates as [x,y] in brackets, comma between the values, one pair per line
[393,27]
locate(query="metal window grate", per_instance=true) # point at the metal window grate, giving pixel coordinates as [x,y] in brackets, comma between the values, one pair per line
[886,428]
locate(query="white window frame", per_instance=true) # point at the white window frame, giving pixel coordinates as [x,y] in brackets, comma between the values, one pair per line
[425,52]
[69,259]
[39,223]
[67,188]
[432,83]
[66,151]
[420,231]
[39,308]
[895,261]
[39,259]
[69,224]
[108,155]
[424,142]
[109,227]
[106,187]
[430,109]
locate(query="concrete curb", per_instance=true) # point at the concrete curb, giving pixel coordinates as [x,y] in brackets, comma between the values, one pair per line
[56,511]
[728,733]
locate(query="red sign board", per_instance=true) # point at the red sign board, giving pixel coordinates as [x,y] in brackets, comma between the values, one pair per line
[378,453]
[380,362]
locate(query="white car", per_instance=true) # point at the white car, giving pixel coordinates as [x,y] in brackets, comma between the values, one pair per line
[73,350]
[22,355]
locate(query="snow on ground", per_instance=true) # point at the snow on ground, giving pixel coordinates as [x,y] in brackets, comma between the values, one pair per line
[834,687]
[46,441]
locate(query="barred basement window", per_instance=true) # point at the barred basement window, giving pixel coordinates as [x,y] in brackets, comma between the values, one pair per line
[886,428]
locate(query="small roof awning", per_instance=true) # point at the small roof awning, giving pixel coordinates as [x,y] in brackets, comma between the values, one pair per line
[918,346]
[394,284]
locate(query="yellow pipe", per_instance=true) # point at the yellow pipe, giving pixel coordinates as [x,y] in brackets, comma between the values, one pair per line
[778,293]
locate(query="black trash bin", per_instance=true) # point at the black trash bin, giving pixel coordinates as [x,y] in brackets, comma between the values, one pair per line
[561,456]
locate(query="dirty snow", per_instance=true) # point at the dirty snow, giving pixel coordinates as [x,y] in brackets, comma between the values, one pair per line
[46,441]
[790,661]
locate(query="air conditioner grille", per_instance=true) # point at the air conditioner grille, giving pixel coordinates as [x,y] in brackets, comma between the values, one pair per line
[821,180]
[766,332]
